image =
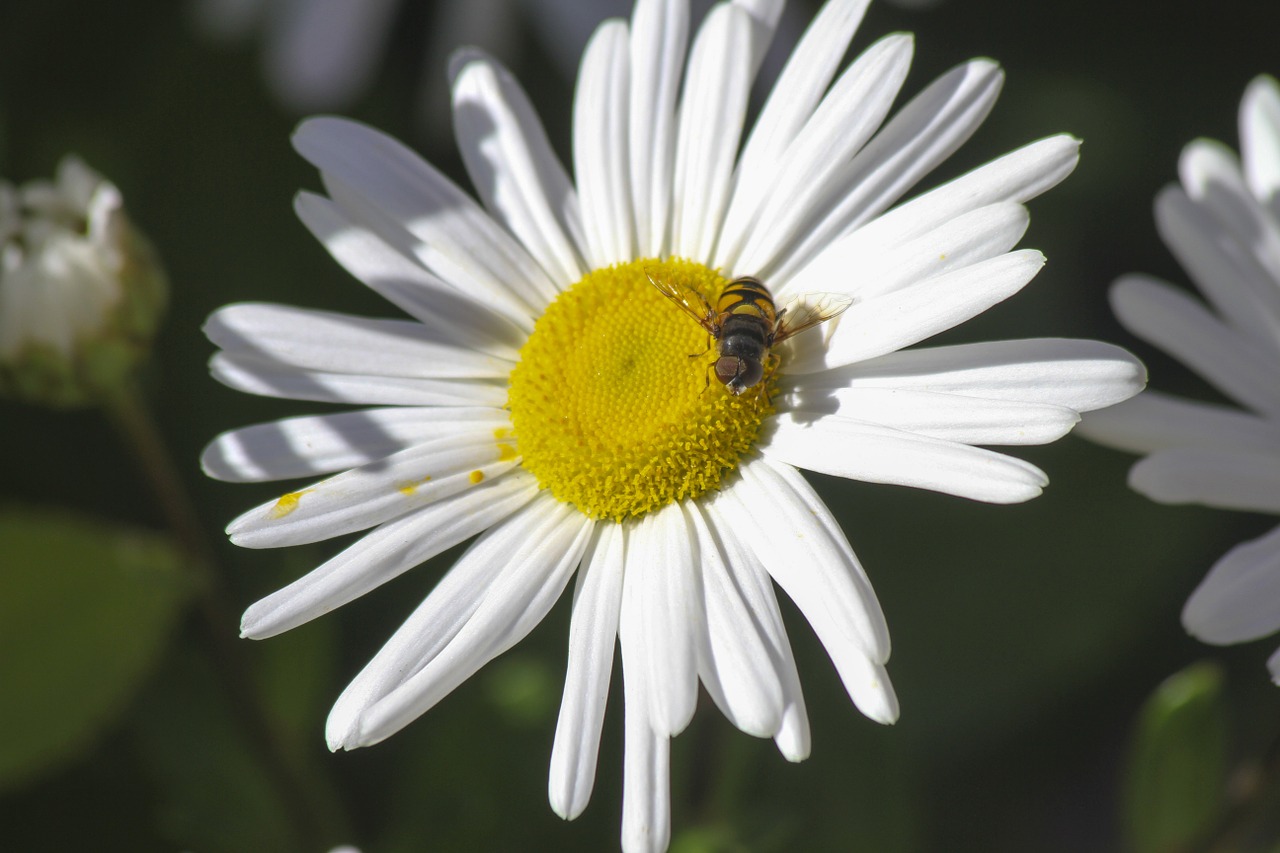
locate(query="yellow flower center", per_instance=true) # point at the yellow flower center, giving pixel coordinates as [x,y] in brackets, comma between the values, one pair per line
[611,413]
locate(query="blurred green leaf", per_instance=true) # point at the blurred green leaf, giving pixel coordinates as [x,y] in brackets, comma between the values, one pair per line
[85,610]
[1177,766]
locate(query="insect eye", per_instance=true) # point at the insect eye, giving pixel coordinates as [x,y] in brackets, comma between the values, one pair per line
[727,368]
[751,373]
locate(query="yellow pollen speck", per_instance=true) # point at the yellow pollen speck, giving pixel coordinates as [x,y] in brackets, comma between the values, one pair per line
[407,489]
[612,413]
[287,503]
[476,477]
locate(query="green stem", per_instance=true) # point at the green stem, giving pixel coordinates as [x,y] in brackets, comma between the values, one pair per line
[318,823]
[1250,801]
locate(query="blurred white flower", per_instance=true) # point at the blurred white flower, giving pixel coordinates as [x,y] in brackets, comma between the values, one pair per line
[1223,225]
[80,290]
[543,397]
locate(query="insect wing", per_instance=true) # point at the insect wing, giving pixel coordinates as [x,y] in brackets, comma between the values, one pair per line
[693,302]
[809,310]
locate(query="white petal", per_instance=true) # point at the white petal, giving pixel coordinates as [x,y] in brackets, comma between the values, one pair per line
[646,767]
[661,589]
[449,314]
[803,548]
[659,33]
[1080,375]
[878,454]
[801,545]
[764,15]
[753,583]
[1260,139]
[438,618]
[1273,666]
[377,179]
[593,633]
[736,661]
[914,141]
[968,420]
[387,552]
[270,378]
[853,266]
[1181,326]
[600,152]
[1222,477]
[326,341]
[321,444]
[712,108]
[803,81]
[808,180]
[517,599]
[1236,265]
[1155,421]
[374,493]
[1239,599]
[890,321]
[512,166]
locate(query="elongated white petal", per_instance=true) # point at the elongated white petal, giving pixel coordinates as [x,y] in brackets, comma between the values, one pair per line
[793,534]
[1080,375]
[712,108]
[646,763]
[661,588]
[736,661]
[1155,421]
[862,270]
[801,546]
[1240,597]
[374,493]
[878,454]
[1260,140]
[659,34]
[752,581]
[387,552]
[459,241]
[512,165]
[341,343]
[439,617]
[887,322]
[321,444]
[920,136]
[1183,327]
[1222,477]
[593,633]
[802,83]
[600,146]
[763,15]
[447,313]
[951,417]
[1229,272]
[270,378]
[517,599]
[807,184]
[1212,175]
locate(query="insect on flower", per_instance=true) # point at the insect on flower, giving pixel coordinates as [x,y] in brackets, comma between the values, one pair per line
[746,325]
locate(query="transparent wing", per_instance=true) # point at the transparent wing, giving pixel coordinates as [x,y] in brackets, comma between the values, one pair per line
[693,302]
[806,310]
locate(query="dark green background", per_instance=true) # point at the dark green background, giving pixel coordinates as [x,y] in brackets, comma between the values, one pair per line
[1025,637]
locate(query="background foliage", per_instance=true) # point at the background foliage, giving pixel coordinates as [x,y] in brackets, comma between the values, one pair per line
[1027,638]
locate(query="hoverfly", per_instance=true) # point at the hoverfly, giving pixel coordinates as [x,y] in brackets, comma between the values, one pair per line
[746,325]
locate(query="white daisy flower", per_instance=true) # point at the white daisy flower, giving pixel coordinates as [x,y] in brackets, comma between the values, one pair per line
[81,290]
[544,400]
[1223,226]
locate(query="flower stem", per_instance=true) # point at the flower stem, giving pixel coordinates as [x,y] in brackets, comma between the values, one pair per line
[318,824]
[1252,796]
